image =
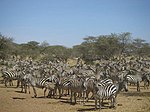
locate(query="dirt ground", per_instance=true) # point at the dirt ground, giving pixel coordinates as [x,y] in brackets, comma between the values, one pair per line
[12,100]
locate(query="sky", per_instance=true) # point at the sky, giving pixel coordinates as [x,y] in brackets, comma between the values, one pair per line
[67,22]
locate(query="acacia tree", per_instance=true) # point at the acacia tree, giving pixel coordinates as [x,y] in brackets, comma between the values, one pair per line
[140,47]
[30,49]
[125,40]
[6,46]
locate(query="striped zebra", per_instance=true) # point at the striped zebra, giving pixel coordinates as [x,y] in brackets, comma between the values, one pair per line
[39,83]
[104,93]
[146,80]
[9,76]
[89,86]
[108,92]
[76,86]
[61,85]
[105,82]
[136,79]
[25,85]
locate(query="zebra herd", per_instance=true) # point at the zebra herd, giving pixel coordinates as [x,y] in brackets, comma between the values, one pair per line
[104,80]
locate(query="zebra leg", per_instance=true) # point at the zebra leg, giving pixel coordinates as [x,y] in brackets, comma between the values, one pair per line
[55,92]
[71,96]
[45,91]
[148,83]
[102,102]
[92,97]
[87,96]
[100,106]
[145,84]
[60,95]
[95,103]
[49,94]
[5,82]
[84,92]
[28,88]
[113,102]
[138,86]
[22,86]
[18,82]
[75,96]
[25,87]
[68,91]
[35,95]
[10,83]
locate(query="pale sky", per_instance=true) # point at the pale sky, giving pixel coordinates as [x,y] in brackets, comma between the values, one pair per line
[67,22]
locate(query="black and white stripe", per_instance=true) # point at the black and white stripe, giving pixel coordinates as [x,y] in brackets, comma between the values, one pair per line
[38,82]
[134,79]
[9,76]
[106,92]
[76,86]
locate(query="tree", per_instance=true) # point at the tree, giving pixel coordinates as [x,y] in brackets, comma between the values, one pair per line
[125,39]
[44,45]
[6,44]
[140,47]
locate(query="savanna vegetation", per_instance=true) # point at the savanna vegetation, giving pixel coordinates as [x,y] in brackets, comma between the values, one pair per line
[92,48]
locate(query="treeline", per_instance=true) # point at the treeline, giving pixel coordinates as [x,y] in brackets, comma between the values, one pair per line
[92,48]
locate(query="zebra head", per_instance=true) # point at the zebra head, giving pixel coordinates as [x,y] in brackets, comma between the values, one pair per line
[123,85]
[146,76]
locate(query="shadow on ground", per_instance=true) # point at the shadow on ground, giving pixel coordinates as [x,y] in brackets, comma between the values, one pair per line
[147,94]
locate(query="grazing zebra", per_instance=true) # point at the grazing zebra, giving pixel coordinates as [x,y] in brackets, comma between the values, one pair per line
[38,82]
[108,91]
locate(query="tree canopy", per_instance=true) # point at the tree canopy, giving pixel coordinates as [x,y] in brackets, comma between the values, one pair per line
[92,48]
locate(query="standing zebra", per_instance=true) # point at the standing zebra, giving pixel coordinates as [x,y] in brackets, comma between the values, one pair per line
[105,82]
[89,86]
[108,91]
[146,80]
[76,86]
[9,76]
[38,82]
[136,79]
[61,85]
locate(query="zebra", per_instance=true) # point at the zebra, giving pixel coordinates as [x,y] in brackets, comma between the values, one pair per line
[146,80]
[104,92]
[38,82]
[25,84]
[136,79]
[9,76]
[61,85]
[76,86]
[89,86]
[105,82]
[108,91]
